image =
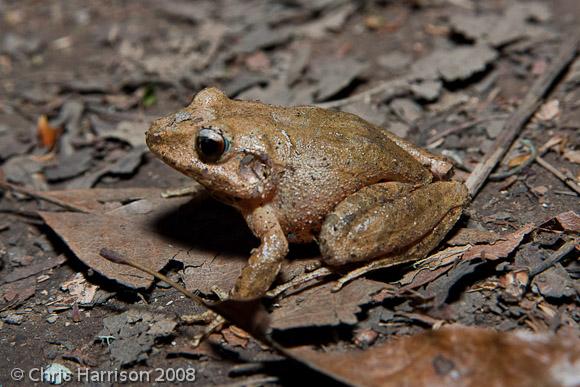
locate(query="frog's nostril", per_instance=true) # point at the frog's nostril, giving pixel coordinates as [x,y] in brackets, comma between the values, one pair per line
[154,135]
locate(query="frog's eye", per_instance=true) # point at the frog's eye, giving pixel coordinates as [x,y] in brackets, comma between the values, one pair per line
[210,145]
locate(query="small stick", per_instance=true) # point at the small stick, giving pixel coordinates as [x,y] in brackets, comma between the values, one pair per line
[38,195]
[115,257]
[554,258]
[568,181]
[455,129]
[527,108]
[232,310]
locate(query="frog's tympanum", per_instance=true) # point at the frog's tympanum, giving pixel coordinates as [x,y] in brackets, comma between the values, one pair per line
[300,174]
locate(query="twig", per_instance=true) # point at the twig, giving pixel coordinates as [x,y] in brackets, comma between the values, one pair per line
[460,128]
[499,176]
[516,122]
[38,195]
[249,315]
[115,257]
[533,154]
[554,258]
[568,181]
[455,129]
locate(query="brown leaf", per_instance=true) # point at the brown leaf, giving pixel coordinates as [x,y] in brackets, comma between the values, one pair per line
[319,306]
[234,338]
[570,221]
[147,231]
[30,270]
[518,160]
[473,236]
[572,155]
[15,293]
[46,133]
[495,247]
[457,356]
[500,249]
[549,111]
[103,199]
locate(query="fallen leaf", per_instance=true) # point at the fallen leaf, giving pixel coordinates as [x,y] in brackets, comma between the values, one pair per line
[433,267]
[540,190]
[15,293]
[131,132]
[131,335]
[47,134]
[258,61]
[501,30]
[333,76]
[33,269]
[70,166]
[500,249]
[103,199]
[572,155]
[473,236]
[232,336]
[455,64]
[319,306]
[555,282]
[330,21]
[131,231]
[457,356]
[518,160]
[548,111]
[81,291]
[570,221]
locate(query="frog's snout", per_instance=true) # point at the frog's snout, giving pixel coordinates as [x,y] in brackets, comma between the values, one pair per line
[157,134]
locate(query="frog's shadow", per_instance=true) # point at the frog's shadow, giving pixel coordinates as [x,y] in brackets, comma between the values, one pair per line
[209,225]
[205,224]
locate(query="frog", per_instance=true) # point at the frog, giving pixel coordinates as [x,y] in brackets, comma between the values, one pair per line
[305,174]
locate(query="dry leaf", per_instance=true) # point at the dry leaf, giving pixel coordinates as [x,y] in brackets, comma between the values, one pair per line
[319,306]
[100,200]
[549,111]
[234,338]
[518,160]
[570,221]
[473,236]
[455,356]
[434,266]
[46,133]
[572,155]
[500,249]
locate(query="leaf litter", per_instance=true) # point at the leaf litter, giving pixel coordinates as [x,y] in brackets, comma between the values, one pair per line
[198,50]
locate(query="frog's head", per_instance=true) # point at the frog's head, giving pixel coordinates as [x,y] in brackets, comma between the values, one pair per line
[219,142]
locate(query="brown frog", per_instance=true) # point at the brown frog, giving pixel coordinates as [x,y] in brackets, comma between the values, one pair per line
[299,174]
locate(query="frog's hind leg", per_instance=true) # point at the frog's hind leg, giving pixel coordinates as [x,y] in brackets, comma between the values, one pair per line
[389,224]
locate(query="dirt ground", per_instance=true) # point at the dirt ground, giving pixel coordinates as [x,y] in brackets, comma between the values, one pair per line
[81,81]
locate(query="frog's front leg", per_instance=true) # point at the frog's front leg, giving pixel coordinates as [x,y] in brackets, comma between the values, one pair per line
[391,222]
[265,261]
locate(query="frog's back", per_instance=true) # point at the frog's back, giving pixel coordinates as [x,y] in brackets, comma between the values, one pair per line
[334,155]
[344,143]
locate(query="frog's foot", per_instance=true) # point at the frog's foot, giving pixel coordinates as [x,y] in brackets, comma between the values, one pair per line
[214,325]
[299,280]
[213,321]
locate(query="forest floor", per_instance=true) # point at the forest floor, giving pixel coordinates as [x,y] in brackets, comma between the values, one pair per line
[80,83]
